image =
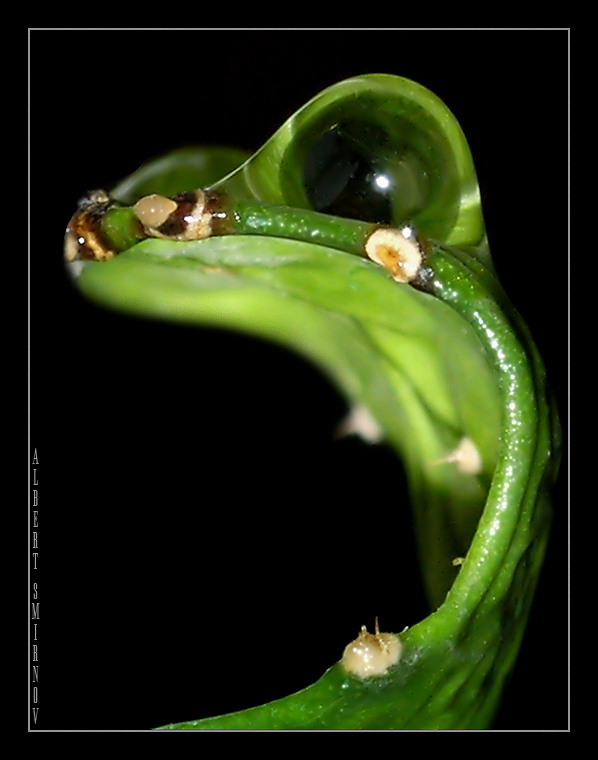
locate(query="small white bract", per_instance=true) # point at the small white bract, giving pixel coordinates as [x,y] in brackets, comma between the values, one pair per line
[360,421]
[465,457]
[372,654]
[153,210]
[395,250]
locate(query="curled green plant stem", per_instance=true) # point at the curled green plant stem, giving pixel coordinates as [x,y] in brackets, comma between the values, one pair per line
[355,236]
[101,230]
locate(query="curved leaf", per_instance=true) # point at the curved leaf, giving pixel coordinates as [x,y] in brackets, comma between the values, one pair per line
[432,368]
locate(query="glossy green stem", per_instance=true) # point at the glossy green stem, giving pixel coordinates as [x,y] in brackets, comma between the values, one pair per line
[349,235]
[455,660]
[241,217]
[121,227]
[525,439]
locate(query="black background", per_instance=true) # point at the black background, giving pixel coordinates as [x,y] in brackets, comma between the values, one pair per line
[204,544]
